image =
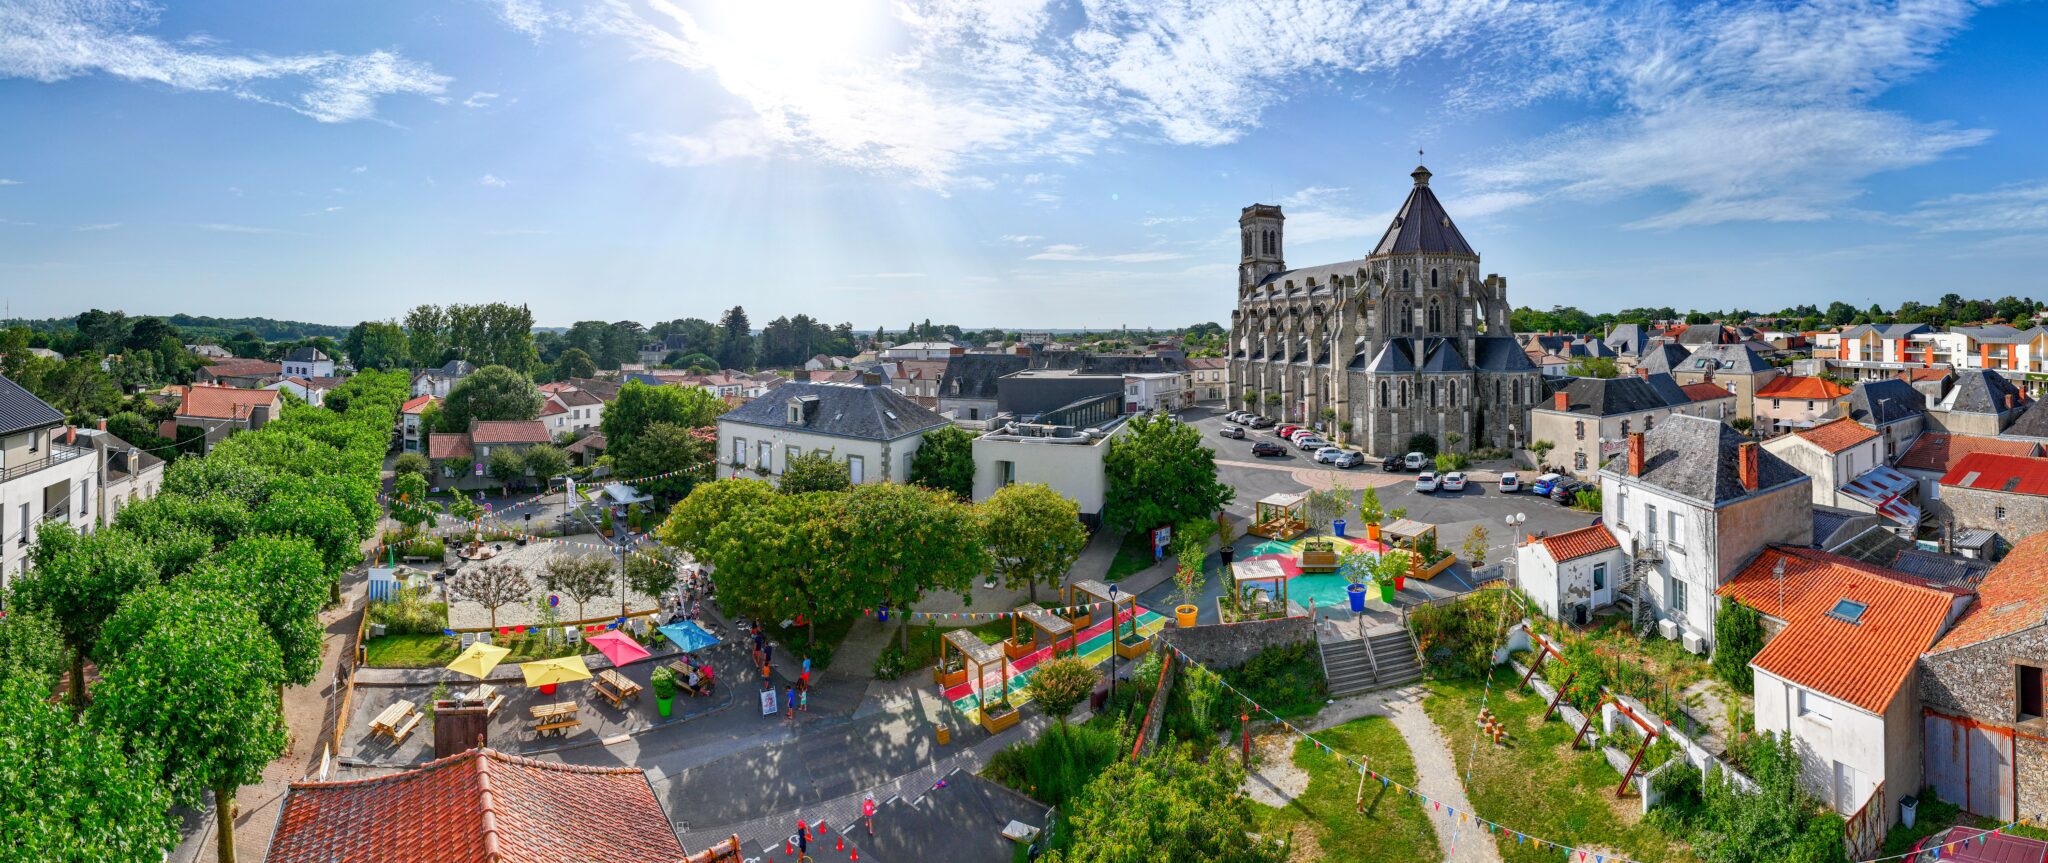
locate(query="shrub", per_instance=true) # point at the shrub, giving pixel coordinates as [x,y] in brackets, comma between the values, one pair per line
[410,614]
[1285,680]
[1423,443]
[1679,799]
[1055,767]
[664,682]
[1458,638]
[1738,635]
[891,664]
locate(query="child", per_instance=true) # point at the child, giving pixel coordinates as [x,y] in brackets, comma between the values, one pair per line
[792,702]
[803,698]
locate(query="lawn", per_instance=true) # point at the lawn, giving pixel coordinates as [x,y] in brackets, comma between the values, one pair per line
[434,651]
[1132,557]
[1536,784]
[1393,826]
[925,638]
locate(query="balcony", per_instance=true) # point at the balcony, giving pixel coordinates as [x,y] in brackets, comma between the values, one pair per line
[59,454]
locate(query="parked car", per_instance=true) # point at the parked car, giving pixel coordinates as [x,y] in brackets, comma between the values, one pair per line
[1232,432]
[1426,481]
[1453,481]
[1326,454]
[1310,442]
[1510,482]
[1349,458]
[1286,430]
[1259,422]
[1415,461]
[1392,464]
[1565,490]
[1268,449]
[1544,482]
[1234,417]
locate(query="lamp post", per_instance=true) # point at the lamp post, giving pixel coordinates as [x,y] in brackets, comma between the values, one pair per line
[1113,632]
[1514,522]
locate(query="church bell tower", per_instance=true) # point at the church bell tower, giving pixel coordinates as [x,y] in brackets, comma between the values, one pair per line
[1260,228]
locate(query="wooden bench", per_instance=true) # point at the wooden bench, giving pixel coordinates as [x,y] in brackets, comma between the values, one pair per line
[488,696]
[557,718]
[411,722]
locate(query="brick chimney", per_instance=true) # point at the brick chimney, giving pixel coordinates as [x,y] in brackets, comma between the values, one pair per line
[1745,465]
[1643,372]
[2009,401]
[103,423]
[1635,454]
[1562,401]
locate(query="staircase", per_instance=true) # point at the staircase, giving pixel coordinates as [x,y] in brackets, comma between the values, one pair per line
[1634,589]
[1357,665]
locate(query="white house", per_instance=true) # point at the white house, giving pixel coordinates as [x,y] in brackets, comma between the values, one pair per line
[1157,391]
[437,382]
[873,429]
[312,391]
[308,362]
[411,434]
[46,476]
[1838,673]
[1570,574]
[1691,501]
[571,412]
[1063,449]
[922,351]
[1833,453]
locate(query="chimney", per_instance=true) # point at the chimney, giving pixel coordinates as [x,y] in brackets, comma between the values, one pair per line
[1745,465]
[873,379]
[1562,400]
[1643,372]
[1635,454]
[2008,401]
[103,423]
[70,435]
[802,376]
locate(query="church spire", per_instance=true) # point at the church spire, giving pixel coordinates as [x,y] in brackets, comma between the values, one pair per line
[1421,175]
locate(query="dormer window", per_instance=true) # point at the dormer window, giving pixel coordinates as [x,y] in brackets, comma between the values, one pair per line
[796,412]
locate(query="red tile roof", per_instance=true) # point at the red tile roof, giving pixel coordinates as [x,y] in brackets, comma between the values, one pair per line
[1706,392]
[2013,597]
[417,405]
[1939,451]
[509,431]
[482,806]
[227,403]
[589,442]
[1863,663]
[1914,376]
[1574,544]
[1838,435]
[1798,387]
[553,406]
[445,445]
[1995,472]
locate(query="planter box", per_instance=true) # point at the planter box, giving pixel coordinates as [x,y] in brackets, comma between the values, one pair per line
[1014,650]
[1434,570]
[997,722]
[1129,648]
[949,679]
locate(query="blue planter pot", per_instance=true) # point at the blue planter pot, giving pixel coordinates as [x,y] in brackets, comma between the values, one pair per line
[1338,526]
[1356,593]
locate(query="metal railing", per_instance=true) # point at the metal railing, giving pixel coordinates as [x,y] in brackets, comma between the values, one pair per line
[59,454]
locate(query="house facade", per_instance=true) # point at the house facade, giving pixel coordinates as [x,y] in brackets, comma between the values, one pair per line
[127,475]
[2005,495]
[1795,402]
[1737,368]
[43,477]
[873,429]
[1985,729]
[412,436]
[1832,454]
[1063,449]
[1589,418]
[1205,378]
[1157,391]
[462,460]
[1571,574]
[223,411]
[437,382]
[307,362]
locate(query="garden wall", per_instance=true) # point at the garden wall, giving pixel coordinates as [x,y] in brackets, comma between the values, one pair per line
[1230,645]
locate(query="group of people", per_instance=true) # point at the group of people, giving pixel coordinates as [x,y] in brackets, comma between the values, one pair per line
[799,699]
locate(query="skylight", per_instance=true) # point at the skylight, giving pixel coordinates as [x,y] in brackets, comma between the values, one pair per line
[1848,611]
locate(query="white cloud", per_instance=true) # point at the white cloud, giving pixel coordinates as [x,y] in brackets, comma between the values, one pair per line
[479,99]
[54,40]
[326,210]
[1071,252]
[359,169]
[888,276]
[735,138]
[2022,207]
[103,226]
[7,182]
[492,181]
[1021,239]
[527,16]
[1151,221]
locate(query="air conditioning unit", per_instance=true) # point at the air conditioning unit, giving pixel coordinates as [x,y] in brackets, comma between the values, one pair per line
[1695,643]
[1668,629]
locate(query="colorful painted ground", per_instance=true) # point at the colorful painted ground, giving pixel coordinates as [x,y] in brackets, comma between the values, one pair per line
[1326,588]
[1094,649]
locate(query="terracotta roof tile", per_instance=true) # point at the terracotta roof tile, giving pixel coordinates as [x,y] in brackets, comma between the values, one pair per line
[2013,597]
[445,445]
[482,806]
[1574,544]
[1939,451]
[227,403]
[1838,435]
[1799,387]
[1994,472]
[1913,376]
[1863,663]
[1705,392]
[417,405]
[509,431]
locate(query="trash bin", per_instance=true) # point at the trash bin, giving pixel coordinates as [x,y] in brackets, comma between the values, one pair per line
[1098,698]
[1908,805]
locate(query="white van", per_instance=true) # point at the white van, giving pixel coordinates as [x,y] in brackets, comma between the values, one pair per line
[1416,460]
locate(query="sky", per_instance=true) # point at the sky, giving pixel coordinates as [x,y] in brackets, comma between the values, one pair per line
[1014,163]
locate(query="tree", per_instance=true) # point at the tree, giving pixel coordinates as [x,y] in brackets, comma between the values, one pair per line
[70,793]
[414,464]
[816,470]
[545,461]
[736,340]
[491,393]
[426,336]
[378,345]
[1061,683]
[1540,449]
[199,683]
[904,540]
[650,575]
[1189,574]
[945,461]
[79,581]
[31,649]
[1475,546]
[1323,506]
[681,456]
[640,406]
[493,586]
[281,579]
[582,576]
[507,465]
[1165,806]
[1744,827]
[574,363]
[1033,533]
[1158,472]
[1593,367]
[1738,636]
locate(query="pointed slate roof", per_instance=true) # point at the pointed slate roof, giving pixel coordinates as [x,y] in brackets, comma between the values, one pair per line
[1982,391]
[1441,355]
[2032,423]
[1664,357]
[1627,339]
[1393,358]
[1422,225]
[1500,354]
[20,410]
[1696,457]
[1877,403]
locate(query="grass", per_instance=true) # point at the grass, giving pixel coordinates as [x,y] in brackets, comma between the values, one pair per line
[434,651]
[1393,826]
[1132,557]
[1536,784]
[924,640]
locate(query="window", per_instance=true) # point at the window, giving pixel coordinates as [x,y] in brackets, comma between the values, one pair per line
[853,468]
[1621,508]
[1624,428]
[1848,611]
[1998,513]
[1404,280]
[35,439]
[1432,277]
[1676,531]
[789,453]
[1647,422]
[1579,460]
[1582,429]
[1774,404]
[1599,576]
[739,452]
[2027,692]
[1675,591]
[1436,316]
[25,526]
[1815,705]
[767,456]
[1006,473]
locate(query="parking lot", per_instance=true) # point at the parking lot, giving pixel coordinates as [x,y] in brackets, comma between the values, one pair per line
[1455,513]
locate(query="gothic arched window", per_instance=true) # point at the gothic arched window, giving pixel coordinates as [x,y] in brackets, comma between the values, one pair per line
[1407,318]
[1432,277]
[1405,285]
[1404,394]
[1432,393]
[1436,317]
[1247,244]
[1383,394]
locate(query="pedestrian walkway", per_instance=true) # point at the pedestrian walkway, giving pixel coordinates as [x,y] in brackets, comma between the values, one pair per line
[1095,644]
[1436,770]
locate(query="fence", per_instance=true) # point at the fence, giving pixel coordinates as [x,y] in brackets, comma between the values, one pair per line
[1155,714]
[345,674]
[1864,831]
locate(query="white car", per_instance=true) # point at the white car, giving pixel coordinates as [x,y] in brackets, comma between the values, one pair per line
[1425,481]
[1298,435]
[1311,443]
[1329,454]
[1510,482]
[1416,461]
[1453,481]
[1348,458]
[1235,417]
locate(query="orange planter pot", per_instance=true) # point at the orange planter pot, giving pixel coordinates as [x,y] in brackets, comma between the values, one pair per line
[1184,615]
[1372,531]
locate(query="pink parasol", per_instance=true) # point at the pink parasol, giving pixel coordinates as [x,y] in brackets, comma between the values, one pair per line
[618,647]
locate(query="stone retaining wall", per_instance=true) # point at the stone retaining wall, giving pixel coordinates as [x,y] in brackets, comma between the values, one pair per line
[1230,645]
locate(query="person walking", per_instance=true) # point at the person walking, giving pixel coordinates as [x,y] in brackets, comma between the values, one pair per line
[792,703]
[806,677]
[867,811]
[803,698]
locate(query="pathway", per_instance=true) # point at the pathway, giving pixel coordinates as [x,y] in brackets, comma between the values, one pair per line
[1436,770]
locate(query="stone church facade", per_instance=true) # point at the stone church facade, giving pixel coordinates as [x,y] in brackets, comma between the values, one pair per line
[1408,340]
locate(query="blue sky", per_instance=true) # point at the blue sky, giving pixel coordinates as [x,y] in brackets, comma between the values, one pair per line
[1006,162]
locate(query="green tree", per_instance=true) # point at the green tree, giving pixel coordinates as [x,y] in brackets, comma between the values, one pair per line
[507,466]
[1743,827]
[1166,806]
[492,585]
[574,363]
[640,406]
[31,649]
[1034,535]
[80,581]
[904,540]
[282,580]
[736,340]
[1593,367]
[583,577]
[199,683]
[491,393]
[1475,547]
[378,345]
[1323,506]
[945,461]
[681,456]
[69,793]
[649,574]
[1157,472]
[1738,636]
[545,461]
[816,470]
[412,463]
[1059,684]
[1540,449]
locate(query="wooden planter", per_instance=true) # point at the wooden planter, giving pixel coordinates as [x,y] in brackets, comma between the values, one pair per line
[1015,650]
[996,722]
[1432,571]
[1133,648]
[949,679]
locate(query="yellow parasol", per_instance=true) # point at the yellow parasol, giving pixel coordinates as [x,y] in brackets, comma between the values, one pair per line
[545,673]
[478,660]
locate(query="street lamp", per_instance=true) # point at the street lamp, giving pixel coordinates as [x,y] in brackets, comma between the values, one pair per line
[1113,628]
[1514,522]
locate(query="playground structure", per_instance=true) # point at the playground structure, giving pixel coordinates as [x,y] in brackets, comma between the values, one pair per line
[970,681]
[1081,598]
[1279,516]
[1249,601]
[976,658]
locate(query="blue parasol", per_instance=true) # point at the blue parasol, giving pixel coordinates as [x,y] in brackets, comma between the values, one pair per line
[688,636]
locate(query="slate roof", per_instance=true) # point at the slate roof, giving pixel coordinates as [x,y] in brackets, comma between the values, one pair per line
[1695,457]
[2011,598]
[21,411]
[1606,397]
[1664,357]
[482,806]
[846,410]
[2010,474]
[1422,226]
[1887,331]
[1999,334]
[1981,391]
[1725,359]
[1708,334]
[1879,403]
[1574,544]
[1392,359]
[2033,422]
[1939,451]
[1627,339]
[1322,274]
[451,369]
[1500,354]
[307,354]
[973,376]
[1944,569]
[1827,520]
[1863,663]
[1442,356]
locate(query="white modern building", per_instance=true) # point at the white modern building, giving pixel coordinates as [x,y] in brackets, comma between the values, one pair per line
[45,476]
[1063,449]
[873,429]
[1157,391]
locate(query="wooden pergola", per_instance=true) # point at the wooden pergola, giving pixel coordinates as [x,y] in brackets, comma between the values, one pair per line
[1258,572]
[1278,516]
[1085,595]
[1407,531]
[1044,623]
[976,658]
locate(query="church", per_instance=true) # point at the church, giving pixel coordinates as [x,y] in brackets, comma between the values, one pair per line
[1409,340]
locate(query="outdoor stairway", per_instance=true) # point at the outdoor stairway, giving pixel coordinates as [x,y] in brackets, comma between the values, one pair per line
[1354,666]
[1395,654]
[1346,666]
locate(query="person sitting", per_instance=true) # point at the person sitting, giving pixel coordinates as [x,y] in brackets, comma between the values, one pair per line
[710,679]
[694,682]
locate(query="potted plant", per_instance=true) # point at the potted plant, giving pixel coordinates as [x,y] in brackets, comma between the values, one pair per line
[1000,714]
[1393,573]
[605,521]
[664,682]
[1370,512]
[1189,576]
[1357,565]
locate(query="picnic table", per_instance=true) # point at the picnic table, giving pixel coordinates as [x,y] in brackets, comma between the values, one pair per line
[396,721]
[558,717]
[615,687]
[682,672]
[488,695]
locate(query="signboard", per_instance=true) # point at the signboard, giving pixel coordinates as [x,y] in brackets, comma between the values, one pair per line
[768,701]
[1161,538]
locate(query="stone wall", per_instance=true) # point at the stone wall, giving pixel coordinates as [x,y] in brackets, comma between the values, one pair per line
[1230,645]
[1977,682]
[2025,515]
